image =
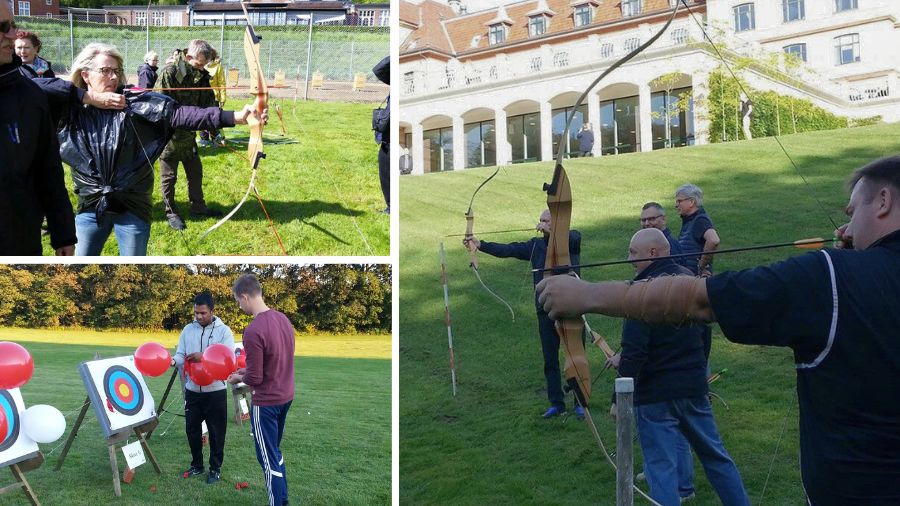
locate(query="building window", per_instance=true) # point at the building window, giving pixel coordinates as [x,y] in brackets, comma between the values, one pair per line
[140,18]
[619,126]
[268,18]
[845,5]
[49,2]
[49,15]
[367,18]
[385,18]
[493,73]
[24,9]
[481,146]
[558,119]
[672,118]
[497,34]
[524,136]
[631,8]
[438,148]
[744,19]
[537,25]
[409,83]
[679,36]
[536,64]
[793,10]
[631,44]
[606,50]
[583,15]
[561,59]
[796,50]
[847,48]
[159,18]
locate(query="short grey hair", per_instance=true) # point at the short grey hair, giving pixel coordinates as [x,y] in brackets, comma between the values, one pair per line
[150,56]
[199,47]
[690,191]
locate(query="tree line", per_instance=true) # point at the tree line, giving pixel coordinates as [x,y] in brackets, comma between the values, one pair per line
[318,298]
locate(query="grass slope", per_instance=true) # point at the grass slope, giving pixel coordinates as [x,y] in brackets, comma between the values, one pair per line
[488,443]
[319,184]
[336,443]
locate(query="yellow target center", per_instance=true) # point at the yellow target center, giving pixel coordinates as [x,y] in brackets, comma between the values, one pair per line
[123,390]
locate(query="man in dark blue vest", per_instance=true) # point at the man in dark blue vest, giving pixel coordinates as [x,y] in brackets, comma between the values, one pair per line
[697,236]
[836,309]
[697,232]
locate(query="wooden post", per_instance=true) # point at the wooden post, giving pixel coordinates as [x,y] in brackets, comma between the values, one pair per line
[18,471]
[65,451]
[114,463]
[624,443]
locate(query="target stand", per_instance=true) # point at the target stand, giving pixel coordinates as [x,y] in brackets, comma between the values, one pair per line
[123,406]
[241,392]
[17,451]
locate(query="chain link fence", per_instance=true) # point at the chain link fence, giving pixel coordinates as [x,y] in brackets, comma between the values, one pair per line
[312,62]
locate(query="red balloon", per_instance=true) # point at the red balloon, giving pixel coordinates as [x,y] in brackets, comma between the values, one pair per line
[152,359]
[218,360]
[199,375]
[4,426]
[16,365]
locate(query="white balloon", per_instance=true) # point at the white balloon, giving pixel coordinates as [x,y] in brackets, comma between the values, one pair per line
[43,423]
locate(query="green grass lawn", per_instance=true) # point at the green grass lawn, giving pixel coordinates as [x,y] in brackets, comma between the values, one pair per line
[337,441]
[319,184]
[488,443]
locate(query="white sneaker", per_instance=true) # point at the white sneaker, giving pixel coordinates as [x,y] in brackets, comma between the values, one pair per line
[640,477]
[687,498]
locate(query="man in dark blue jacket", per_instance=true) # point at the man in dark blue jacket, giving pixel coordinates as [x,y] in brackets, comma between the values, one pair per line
[670,402]
[535,252]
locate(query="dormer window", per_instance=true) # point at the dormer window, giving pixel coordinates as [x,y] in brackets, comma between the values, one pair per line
[631,8]
[539,19]
[498,27]
[537,25]
[497,34]
[583,14]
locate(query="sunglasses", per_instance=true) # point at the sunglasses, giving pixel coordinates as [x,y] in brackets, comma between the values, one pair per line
[6,26]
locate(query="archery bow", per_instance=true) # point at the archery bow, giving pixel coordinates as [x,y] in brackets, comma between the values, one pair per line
[473,258]
[258,89]
[559,201]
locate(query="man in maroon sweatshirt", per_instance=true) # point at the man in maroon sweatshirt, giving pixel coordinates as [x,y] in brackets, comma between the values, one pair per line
[269,345]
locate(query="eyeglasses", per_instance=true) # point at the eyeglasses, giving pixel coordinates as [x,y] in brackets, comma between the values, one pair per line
[678,201]
[109,71]
[6,26]
[648,219]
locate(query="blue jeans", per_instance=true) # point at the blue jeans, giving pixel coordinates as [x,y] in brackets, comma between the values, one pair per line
[684,466]
[132,233]
[660,428]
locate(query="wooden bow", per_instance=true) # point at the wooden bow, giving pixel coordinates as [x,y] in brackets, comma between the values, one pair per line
[260,90]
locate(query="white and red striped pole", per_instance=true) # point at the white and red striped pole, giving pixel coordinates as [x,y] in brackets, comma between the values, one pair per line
[447,318]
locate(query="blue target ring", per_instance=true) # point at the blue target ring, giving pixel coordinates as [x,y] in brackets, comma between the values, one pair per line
[8,405]
[123,390]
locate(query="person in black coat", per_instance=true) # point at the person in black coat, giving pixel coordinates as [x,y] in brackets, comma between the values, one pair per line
[147,74]
[383,134]
[31,173]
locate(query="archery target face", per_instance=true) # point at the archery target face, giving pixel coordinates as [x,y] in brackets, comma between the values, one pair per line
[15,445]
[117,390]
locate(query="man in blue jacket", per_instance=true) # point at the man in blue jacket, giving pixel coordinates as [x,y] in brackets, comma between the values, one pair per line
[670,401]
[535,252]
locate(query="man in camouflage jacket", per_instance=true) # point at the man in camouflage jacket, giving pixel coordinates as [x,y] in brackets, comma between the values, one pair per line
[186,71]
